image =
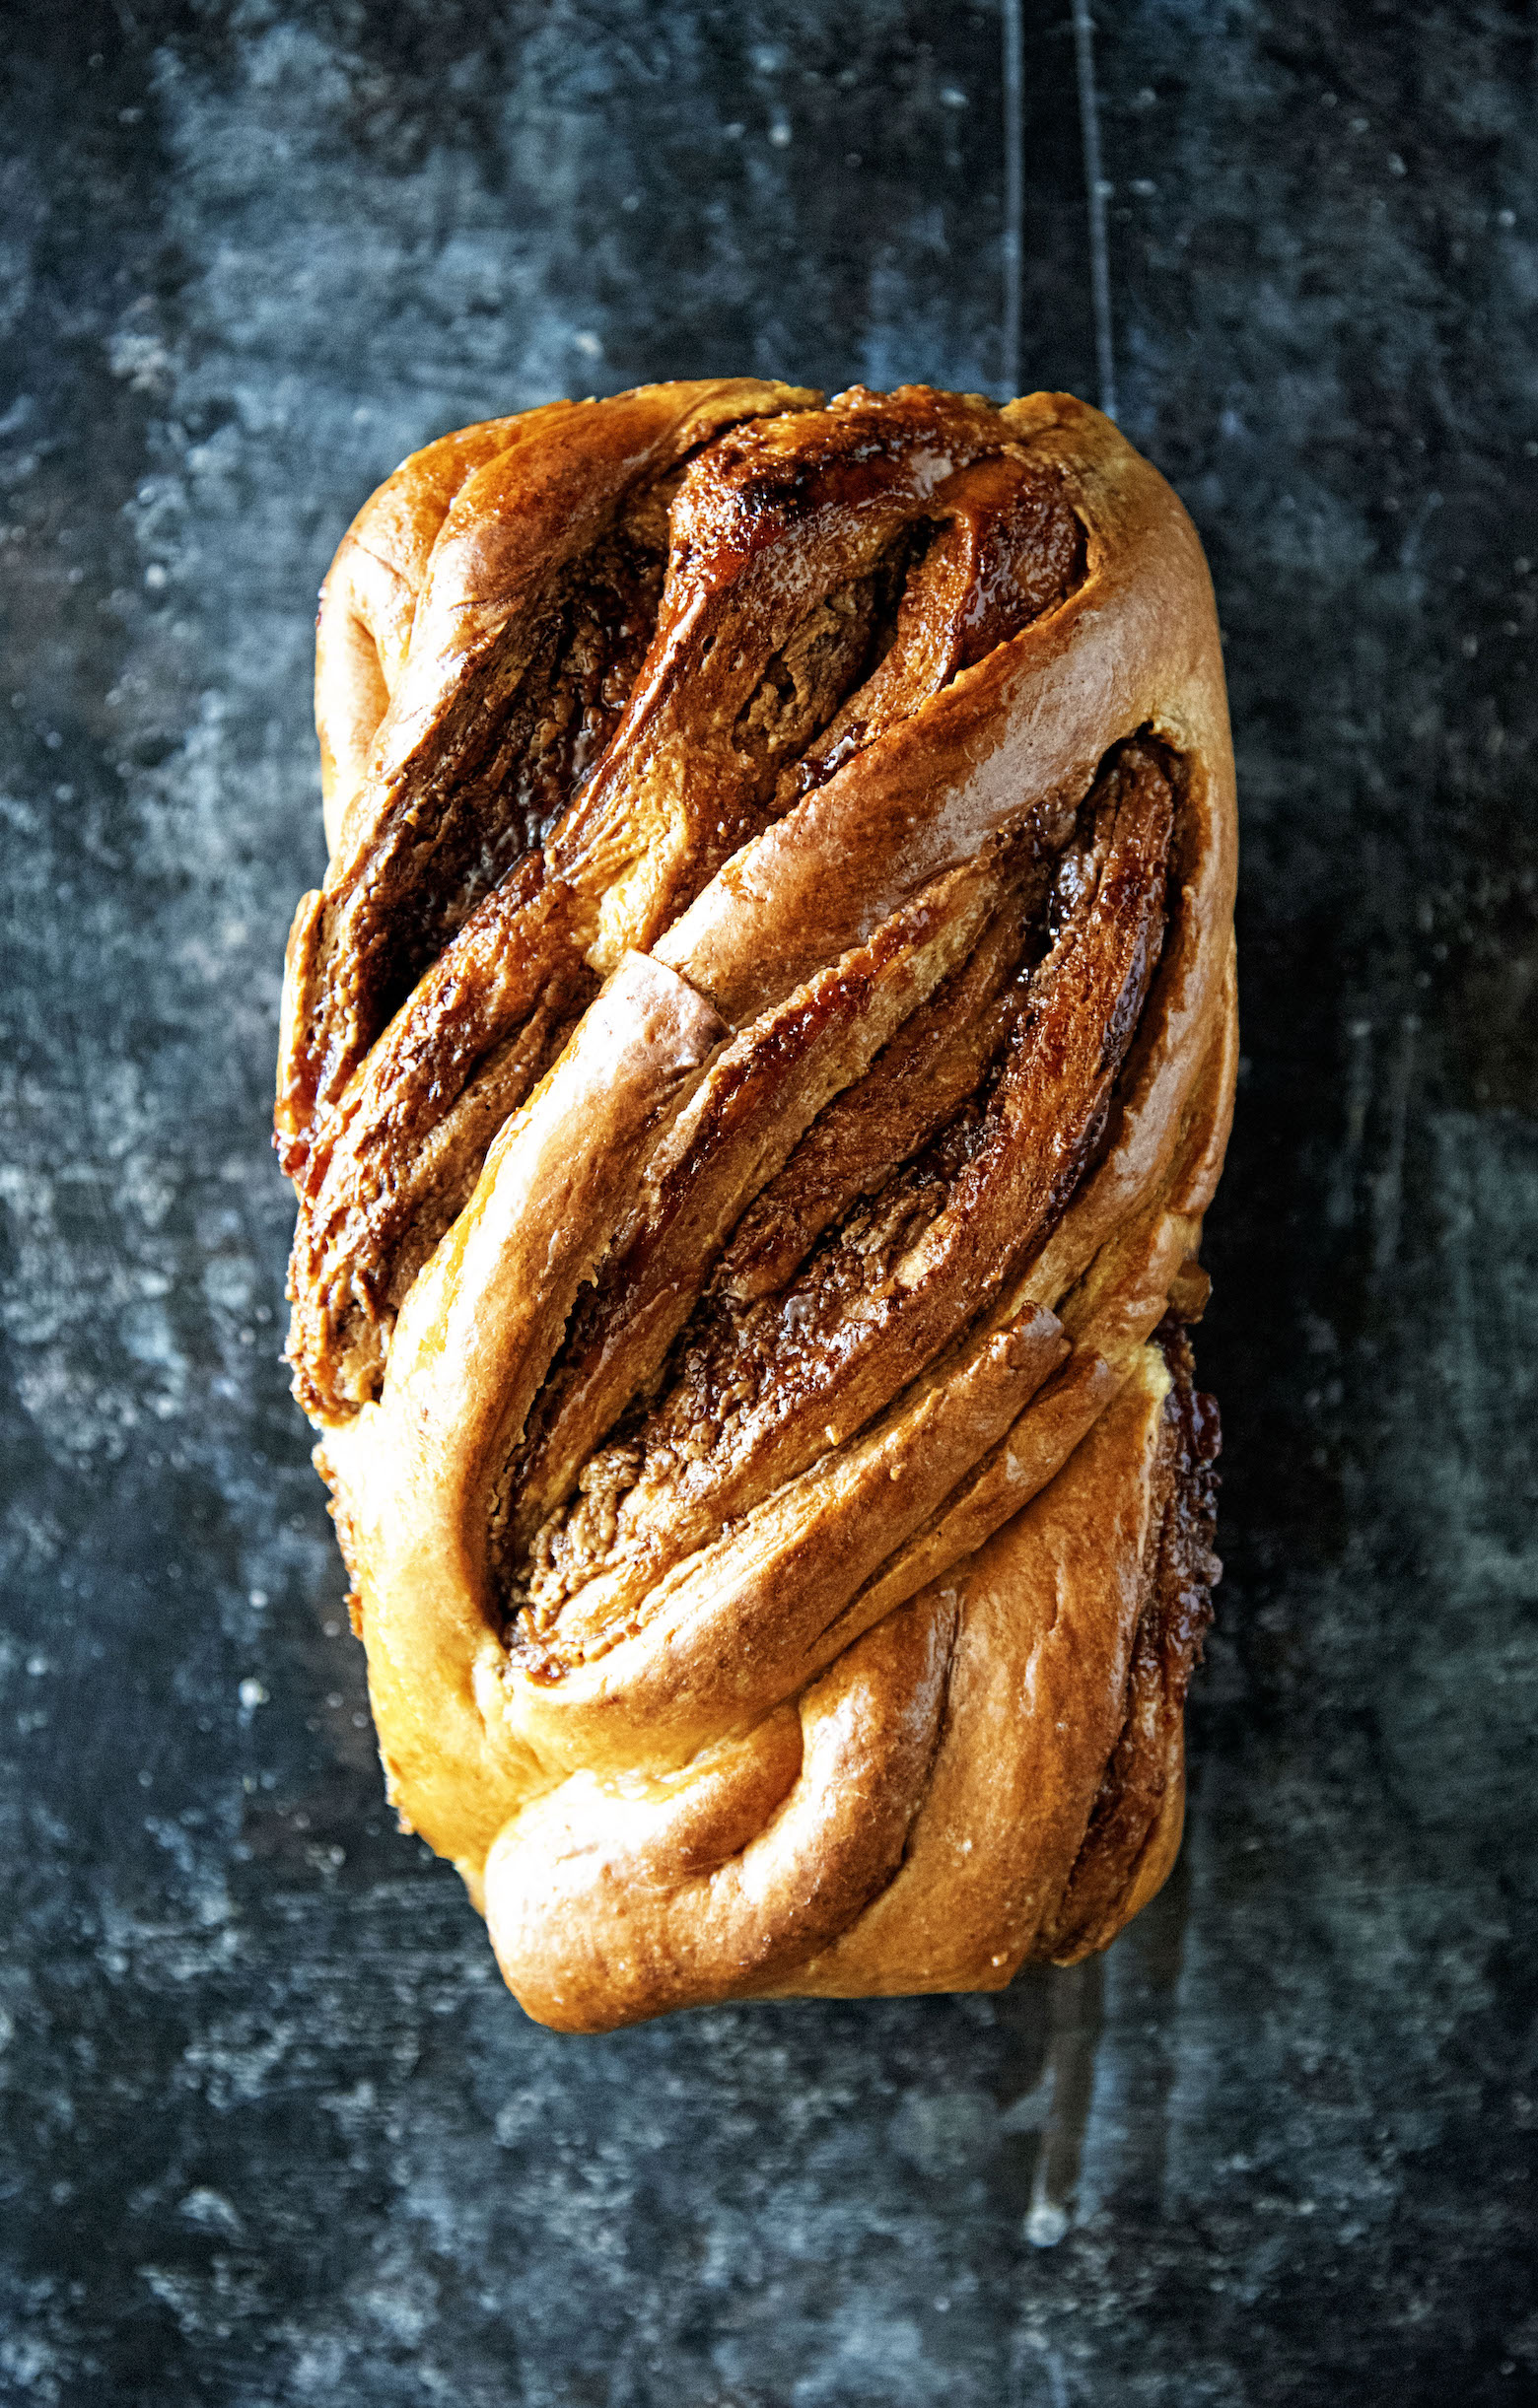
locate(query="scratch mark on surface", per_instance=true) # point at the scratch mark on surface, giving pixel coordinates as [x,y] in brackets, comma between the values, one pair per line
[1095,191]
[1341,1209]
[1014,193]
[1070,2076]
[1389,1185]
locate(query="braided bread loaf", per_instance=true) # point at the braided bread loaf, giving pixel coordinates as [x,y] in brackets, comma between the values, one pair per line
[753,1078]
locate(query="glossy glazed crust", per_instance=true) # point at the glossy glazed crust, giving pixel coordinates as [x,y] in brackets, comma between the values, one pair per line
[430,589]
[852,1735]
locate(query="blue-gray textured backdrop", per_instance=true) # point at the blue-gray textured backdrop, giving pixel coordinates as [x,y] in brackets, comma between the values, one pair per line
[273,2133]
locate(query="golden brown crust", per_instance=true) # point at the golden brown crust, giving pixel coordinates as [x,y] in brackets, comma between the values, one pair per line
[754,1077]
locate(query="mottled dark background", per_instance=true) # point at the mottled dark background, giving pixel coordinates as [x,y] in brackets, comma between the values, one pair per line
[273,2132]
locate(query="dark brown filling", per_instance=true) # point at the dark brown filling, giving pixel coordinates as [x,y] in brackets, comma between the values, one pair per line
[828,574]
[892,1225]
[1180,1573]
[394,1173]
[1005,553]
[526,731]
[830,653]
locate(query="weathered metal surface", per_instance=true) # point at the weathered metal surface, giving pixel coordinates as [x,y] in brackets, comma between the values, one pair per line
[272,2130]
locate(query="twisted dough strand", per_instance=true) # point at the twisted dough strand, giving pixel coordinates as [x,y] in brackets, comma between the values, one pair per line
[753,1077]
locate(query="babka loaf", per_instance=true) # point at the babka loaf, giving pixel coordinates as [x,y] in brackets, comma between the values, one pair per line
[752,1076]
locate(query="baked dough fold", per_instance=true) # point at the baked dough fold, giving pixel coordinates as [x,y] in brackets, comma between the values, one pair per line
[753,1078]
